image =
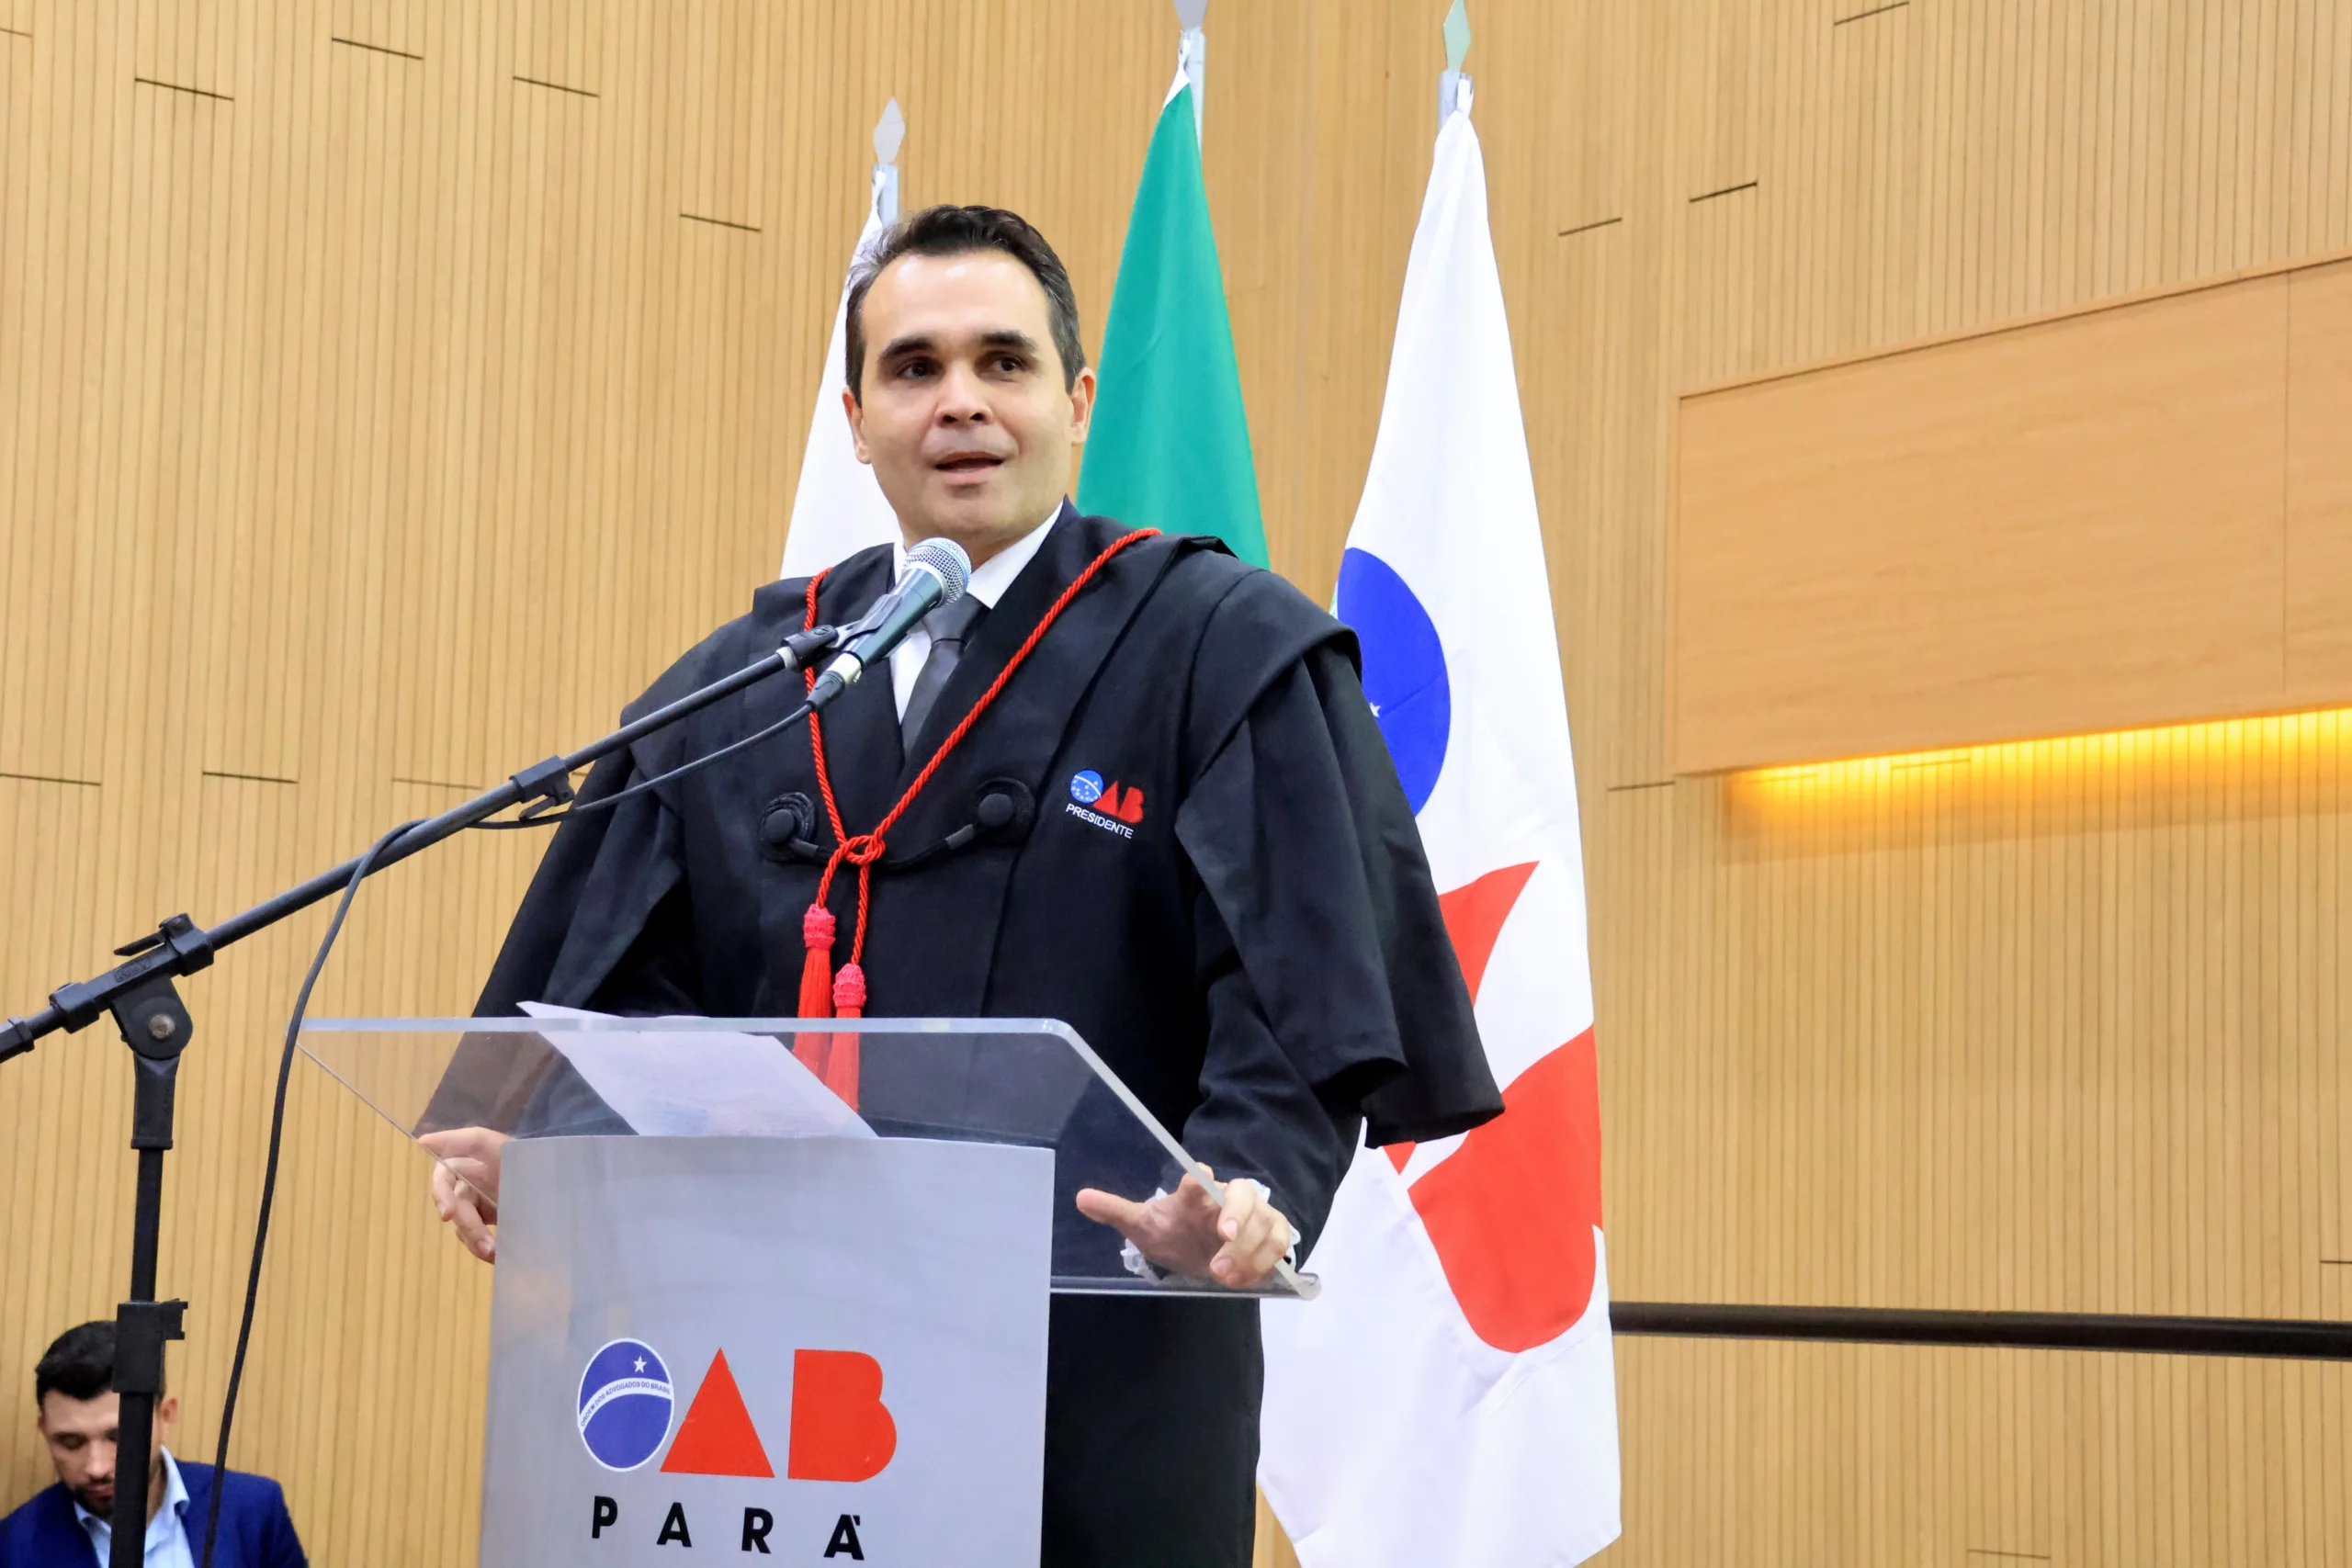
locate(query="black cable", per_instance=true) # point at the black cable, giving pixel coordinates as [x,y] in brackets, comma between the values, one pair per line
[549,819]
[269,1182]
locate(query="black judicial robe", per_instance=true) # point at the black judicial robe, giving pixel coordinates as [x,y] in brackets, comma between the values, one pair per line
[1263,960]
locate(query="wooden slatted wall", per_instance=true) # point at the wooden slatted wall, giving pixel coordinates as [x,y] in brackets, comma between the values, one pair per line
[2037,1027]
[388,387]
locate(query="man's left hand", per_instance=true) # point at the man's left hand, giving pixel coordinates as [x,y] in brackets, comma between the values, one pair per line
[1187,1231]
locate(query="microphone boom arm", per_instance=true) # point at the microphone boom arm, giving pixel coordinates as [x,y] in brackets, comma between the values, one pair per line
[181,947]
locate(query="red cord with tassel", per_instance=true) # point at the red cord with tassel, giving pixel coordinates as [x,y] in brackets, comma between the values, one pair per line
[823,993]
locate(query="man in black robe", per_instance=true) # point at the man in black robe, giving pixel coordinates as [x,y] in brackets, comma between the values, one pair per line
[1246,933]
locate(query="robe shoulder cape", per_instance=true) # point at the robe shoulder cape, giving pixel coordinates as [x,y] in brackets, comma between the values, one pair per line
[1216,689]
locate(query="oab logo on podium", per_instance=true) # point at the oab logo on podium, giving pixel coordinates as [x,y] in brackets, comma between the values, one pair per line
[798,1350]
[839,1430]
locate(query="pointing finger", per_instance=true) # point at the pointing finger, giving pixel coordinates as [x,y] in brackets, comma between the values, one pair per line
[1109,1209]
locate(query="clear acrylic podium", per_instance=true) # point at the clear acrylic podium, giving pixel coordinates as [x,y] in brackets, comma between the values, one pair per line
[1027,1082]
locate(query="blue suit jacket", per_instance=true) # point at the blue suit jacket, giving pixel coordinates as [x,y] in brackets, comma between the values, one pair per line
[255,1530]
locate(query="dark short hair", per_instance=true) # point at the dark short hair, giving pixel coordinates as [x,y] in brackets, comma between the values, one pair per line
[955,231]
[78,1364]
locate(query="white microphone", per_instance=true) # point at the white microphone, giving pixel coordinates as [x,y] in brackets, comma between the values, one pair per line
[938,572]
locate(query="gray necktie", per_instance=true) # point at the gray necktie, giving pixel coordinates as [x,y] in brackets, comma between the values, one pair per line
[948,625]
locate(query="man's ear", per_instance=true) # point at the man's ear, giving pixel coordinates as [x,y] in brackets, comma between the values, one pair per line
[856,412]
[167,1411]
[1081,405]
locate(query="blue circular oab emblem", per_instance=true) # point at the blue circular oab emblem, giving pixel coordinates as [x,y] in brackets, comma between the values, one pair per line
[1086,787]
[1404,670]
[625,1404]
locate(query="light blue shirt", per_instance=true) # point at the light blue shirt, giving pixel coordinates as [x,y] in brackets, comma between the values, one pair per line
[166,1532]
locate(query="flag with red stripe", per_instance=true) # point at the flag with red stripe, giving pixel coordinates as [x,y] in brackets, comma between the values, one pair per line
[1451,1396]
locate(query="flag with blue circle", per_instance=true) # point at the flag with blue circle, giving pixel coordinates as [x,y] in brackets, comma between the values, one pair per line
[1460,1351]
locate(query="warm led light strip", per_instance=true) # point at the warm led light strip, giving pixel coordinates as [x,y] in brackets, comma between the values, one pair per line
[2321,726]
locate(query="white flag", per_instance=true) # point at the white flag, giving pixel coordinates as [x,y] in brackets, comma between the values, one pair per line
[838,510]
[1452,1398]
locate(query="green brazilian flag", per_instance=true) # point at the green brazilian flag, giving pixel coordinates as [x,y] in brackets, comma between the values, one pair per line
[1169,448]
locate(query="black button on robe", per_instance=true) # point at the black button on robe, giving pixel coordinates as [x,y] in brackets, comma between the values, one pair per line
[1262,960]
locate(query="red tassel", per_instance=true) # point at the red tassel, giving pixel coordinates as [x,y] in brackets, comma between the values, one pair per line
[849,992]
[815,1050]
[841,1062]
[817,970]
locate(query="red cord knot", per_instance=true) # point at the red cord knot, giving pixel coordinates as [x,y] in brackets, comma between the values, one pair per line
[849,991]
[863,850]
[817,929]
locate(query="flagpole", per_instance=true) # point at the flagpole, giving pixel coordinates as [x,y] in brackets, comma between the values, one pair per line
[1453,87]
[1192,53]
[837,508]
[889,133]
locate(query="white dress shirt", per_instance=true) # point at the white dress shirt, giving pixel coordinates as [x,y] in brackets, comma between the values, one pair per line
[166,1532]
[989,580]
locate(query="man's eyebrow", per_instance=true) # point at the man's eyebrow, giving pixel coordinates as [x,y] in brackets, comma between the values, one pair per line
[923,343]
[914,343]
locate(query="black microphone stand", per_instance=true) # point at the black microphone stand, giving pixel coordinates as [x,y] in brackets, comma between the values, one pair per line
[145,1004]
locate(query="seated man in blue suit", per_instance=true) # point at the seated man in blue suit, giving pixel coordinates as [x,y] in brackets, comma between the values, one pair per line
[68,1526]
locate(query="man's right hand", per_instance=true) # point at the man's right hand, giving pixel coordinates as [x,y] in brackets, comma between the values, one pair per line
[465,1184]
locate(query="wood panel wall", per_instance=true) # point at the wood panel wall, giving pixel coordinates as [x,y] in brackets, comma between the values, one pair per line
[387,388]
[2049,1026]
[2126,515]
[2318,600]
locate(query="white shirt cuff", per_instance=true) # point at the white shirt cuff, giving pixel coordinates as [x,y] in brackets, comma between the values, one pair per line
[1144,1268]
